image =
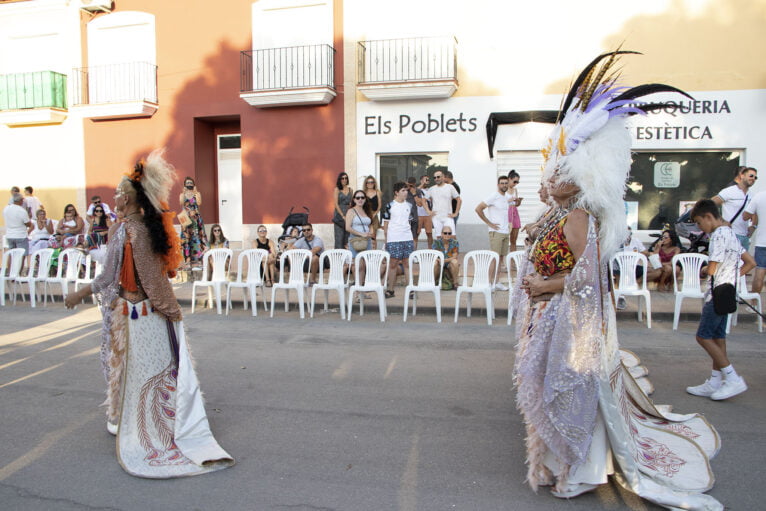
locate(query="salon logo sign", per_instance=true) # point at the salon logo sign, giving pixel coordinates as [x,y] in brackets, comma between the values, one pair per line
[667,174]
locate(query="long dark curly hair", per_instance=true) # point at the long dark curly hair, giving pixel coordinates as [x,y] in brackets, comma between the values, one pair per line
[152,220]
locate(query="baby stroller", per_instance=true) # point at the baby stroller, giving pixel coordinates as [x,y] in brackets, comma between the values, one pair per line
[294,220]
[698,240]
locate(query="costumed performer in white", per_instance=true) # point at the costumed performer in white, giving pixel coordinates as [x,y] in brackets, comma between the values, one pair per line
[154,402]
[586,417]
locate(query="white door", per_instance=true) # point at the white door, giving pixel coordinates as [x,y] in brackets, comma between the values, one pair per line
[230,186]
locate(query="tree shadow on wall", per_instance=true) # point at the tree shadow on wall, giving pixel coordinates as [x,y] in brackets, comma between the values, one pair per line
[718,48]
[290,155]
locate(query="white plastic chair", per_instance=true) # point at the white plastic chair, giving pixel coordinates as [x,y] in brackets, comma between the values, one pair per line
[373,281]
[254,257]
[484,279]
[215,273]
[744,294]
[517,258]
[72,259]
[428,260]
[12,263]
[340,261]
[691,287]
[295,279]
[627,262]
[88,278]
[41,260]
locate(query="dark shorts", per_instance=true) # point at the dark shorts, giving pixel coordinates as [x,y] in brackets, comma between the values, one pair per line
[760,257]
[400,249]
[712,326]
[18,243]
[307,265]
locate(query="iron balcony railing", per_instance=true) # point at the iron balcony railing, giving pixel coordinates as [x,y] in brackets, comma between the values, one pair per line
[408,60]
[115,83]
[296,67]
[39,89]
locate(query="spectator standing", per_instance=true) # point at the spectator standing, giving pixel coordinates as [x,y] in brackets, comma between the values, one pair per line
[341,202]
[424,211]
[442,194]
[17,223]
[496,219]
[270,264]
[514,201]
[14,189]
[415,197]
[724,267]
[309,241]
[193,237]
[448,245]
[734,199]
[448,178]
[754,211]
[375,198]
[31,203]
[397,220]
[94,202]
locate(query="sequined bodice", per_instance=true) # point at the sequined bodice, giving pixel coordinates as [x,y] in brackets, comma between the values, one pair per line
[551,253]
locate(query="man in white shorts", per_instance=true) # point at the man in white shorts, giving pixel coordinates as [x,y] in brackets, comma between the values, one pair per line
[441,203]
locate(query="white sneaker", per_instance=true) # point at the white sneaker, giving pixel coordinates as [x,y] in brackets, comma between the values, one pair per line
[730,387]
[501,287]
[111,428]
[621,303]
[704,390]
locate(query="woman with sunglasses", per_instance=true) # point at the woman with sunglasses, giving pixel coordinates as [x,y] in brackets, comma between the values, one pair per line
[217,239]
[70,226]
[193,238]
[514,220]
[341,195]
[270,263]
[665,248]
[375,198]
[358,226]
[99,228]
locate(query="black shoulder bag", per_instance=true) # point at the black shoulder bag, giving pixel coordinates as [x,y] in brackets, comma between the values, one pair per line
[724,297]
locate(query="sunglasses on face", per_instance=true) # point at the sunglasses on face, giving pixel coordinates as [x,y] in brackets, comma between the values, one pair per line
[344,177]
[261,230]
[98,210]
[308,230]
[216,230]
[447,233]
[515,182]
[361,197]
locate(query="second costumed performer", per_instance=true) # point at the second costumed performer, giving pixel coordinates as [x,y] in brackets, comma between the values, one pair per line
[154,402]
[586,416]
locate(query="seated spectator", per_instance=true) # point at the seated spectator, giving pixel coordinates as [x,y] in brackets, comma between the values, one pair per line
[70,227]
[309,241]
[96,201]
[41,232]
[217,238]
[98,228]
[449,246]
[269,265]
[665,248]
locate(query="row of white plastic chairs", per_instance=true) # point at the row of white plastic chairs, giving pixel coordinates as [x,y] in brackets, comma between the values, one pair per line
[71,264]
[688,287]
[339,262]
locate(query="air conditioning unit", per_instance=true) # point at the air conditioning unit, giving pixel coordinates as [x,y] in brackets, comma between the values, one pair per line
[96,5]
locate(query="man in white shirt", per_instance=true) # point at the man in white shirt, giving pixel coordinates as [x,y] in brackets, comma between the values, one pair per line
[397,216]
[441,195]
[496,219]
[17,223]
[754,211]
[31,203]
[733,201]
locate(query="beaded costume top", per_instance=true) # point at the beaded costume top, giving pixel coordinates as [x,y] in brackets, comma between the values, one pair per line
[551,254]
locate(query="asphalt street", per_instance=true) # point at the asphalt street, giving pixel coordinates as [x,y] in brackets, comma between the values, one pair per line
[324,414]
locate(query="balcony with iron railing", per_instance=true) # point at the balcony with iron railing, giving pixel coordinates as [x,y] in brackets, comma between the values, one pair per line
[297,75]
[115,91]
[409,68]
[37,97]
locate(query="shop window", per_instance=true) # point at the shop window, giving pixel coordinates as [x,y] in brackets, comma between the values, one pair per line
[663,184]
[398,167]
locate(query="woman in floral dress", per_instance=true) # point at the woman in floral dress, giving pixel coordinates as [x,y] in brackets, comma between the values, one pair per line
[193,237]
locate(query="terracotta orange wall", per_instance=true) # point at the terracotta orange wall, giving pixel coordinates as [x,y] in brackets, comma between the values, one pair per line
[290,155]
